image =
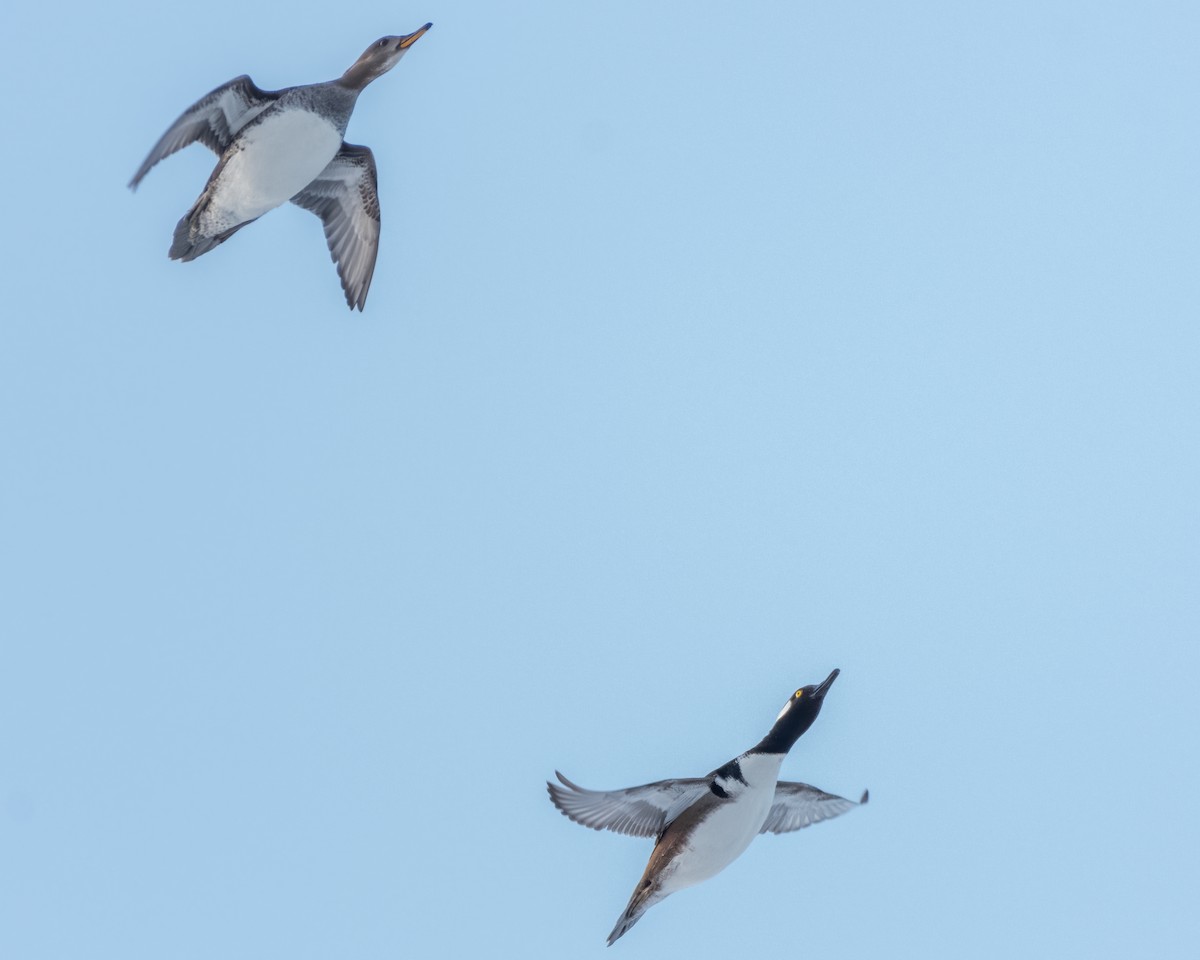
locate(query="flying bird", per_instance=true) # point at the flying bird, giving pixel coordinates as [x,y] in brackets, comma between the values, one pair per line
[702,825]
[280,145]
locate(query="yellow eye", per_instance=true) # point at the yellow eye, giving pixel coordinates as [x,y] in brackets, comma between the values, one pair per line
[798,694]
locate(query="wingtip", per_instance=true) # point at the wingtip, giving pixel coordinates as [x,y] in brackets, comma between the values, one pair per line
[136,180]
[557,791]
[356,299]
[865,797]
[556,795]
[567,783]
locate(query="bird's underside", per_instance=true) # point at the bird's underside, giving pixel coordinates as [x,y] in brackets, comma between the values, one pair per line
[341,189]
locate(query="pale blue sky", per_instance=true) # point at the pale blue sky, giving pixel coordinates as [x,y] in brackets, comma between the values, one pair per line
[710,347]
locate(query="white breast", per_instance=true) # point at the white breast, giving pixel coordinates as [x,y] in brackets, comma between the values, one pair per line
[725,834]
[279,157]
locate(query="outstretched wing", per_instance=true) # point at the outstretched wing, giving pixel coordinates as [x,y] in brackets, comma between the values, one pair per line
[638,811]
[346,198]
[797,805]
[213,120]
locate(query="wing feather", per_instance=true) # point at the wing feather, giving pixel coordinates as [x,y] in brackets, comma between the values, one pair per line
[213,120]
[797,805]
[641,811]
[345,196]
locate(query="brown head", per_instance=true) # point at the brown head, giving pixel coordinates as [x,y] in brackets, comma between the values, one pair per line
[379,58]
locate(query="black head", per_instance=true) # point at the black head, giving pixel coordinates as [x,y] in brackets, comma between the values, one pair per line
[796,716]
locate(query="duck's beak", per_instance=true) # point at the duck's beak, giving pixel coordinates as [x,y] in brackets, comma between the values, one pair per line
[408,41]
[824,687]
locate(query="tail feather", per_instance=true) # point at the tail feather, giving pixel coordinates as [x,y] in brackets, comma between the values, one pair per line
[189,242]
[644,897]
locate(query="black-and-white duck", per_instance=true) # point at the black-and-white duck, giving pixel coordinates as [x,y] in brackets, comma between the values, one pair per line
[281,145]
[702,825]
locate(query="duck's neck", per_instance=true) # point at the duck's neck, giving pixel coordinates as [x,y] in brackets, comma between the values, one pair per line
[784,734]
[358,76]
